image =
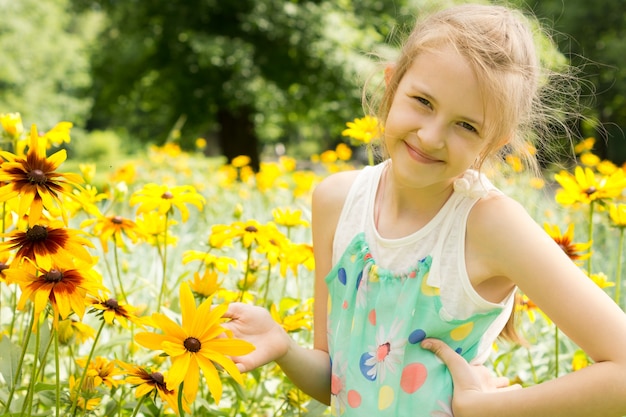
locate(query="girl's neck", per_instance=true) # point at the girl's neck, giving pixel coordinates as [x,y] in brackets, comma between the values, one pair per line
[400,210]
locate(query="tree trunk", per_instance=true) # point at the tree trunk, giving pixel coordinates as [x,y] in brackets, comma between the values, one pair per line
[236,134]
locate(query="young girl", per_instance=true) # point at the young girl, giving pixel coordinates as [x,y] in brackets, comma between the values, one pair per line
[418,258]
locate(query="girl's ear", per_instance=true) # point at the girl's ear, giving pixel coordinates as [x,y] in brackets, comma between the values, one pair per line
[389,69]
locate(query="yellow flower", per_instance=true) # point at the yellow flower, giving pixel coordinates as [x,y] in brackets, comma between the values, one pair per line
[199,344]
[220,263]
[240,161]
[34,179]
[66,289]
[575,251]
[46,243]
[12,124]
[126,173]
[201,143]
[292,315]
[287,163]
[82,402]
[114,228]
[267,176]
[601,280]
[589,159]
[606,167]
[288,217]
[148,381]
[585,145]
[328,157]
[205,285]
[537,183]
[584,187]
[305,180]
[617,213]
[100,371]
[580,360]
[163,199]
[343,151]
[363,130]
[58,135]
[515,163]
[70,330]
[111,309]
[152,227]
[88,171]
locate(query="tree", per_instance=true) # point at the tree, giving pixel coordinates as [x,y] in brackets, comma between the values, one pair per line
[45,65]
[591,35]
[278,70]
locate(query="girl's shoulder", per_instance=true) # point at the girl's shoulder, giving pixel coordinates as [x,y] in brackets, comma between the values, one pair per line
[332,190]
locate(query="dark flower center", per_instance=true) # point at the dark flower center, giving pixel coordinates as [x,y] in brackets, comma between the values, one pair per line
[54,275]
[167,195]
[251,229]
[590,190]
[192,344]
[3,266]
[158,378]
[37,176]
[37,233]
[117,220]
[111,304]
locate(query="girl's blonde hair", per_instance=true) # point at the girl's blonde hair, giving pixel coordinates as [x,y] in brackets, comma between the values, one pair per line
[499,44]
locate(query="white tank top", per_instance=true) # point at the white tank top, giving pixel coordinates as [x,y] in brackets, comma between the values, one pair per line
[443,238]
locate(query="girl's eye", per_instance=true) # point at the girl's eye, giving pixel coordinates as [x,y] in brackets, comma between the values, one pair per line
[468,127]
[423,101]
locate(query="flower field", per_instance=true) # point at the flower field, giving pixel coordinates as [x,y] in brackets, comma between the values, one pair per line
[113,284]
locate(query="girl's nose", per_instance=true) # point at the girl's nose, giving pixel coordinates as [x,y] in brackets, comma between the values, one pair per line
[431,136]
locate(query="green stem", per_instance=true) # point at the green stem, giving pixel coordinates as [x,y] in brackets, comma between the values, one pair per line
[267,285]
[20,362]
[245,277]
[556,351]
[181,409]
[79,387]
[163,255]
[590,234]
[138,406]
[33,376]
[370,154]
[117,268]
[618,273]
[57,376]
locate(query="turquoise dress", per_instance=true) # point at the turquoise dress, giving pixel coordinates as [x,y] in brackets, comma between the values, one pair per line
[376,321]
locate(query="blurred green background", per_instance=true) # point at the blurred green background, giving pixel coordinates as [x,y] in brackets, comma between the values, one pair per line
[255,77]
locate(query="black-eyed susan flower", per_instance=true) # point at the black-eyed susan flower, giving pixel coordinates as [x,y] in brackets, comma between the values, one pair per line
[83,402]
[46,243]
[58,135]
[292,314]
[153,228]
[66,289]
[111,309]
[34,180]
[304,180]
[206,284]
[198,344]
[575,251]
[101,371]
[585,145]
[113,228]
[164,199]
[70,330]
[250,232]
[150,382]
[584,187]
[601,280]
[363,130]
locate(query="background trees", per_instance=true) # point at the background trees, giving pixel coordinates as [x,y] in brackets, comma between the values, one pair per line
[249,74]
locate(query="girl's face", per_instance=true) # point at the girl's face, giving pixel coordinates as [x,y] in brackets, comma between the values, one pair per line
[436,123]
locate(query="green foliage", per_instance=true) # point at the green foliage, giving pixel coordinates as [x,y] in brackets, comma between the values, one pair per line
[97,146]
[44,62]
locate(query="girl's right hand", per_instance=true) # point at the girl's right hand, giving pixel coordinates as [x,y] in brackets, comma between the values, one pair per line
[255,325]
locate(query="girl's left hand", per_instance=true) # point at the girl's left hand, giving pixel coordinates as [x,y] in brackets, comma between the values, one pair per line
[469,380]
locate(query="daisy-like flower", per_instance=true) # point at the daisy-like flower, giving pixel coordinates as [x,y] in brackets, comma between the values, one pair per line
[81,401]
[240,161]
[85,199]
[58,135]
[251,232]
[575,251]
[113,228]
[70,330]
[34,180]
[101,371]
[205,285]
[212,262]
[152,227]
[12,124]
[5,257]
[363,130]
[46,243]
[289,218]
[617,213]
[111,309]
[585,187]
[66,289]
[147,381]
[585,145]
[601,280]
[305,180]
[290,320]
[343,151]
[164,199]
[386,355]
[199,344]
